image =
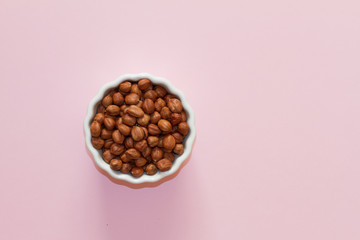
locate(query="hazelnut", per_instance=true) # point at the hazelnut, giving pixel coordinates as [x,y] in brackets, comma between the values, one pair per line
[159,104]
[108,143]
[125,168]
[183,116]
[151,169]
[178,137]
[141,145]
[118,137]
[125,158]
[95,129]
[148,106]
[144,84]
[157,154]
[107,156]
[101,108]
[144,120]
[152,141]
[113,110]
[164,125]
[137,133]
[135,89]
[115,164]
[147,152]
[128,120]
[169,142]
[161,92]
[99,117]
[109,123]
[155,117]
[150,94]
[178,149]
[132,99]
[168,97]
[125,87]
[137,171]
[140,104]
[118,99]
[153,129]
[164,164]
[118,121]
[129,142]
[106,134]
[134,111]
[132,153]
[170,156]
[97,142]
[160,144]
[175,105]
[165,113]
[117,149]
[107,101]
[176,119]
[183,128]
[146,133]
[124,129]
[140,162]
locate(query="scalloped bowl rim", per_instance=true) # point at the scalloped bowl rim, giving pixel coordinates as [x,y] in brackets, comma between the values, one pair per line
[188,141]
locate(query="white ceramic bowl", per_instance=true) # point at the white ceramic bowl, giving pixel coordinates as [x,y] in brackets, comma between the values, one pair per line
[97,156]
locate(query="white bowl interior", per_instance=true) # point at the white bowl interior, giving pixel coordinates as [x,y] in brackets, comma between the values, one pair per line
[97,156]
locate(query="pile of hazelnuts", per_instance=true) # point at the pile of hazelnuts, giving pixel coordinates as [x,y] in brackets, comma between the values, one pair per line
[139,127]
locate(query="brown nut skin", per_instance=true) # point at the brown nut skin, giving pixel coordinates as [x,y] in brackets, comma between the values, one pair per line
[147,152]
[117,149]
[144,84]
[141,145]
[159,104]
[135,89]
[152,141]
[163,164]
[168,97]
[157,154]
[175,105]
[99,117]
[129,142]
[160,144]
[100,109]
[169,156]
[144,120]
[183,116]
[140,103]
[175,119]
[107,156]
[161,92]
[154,129]
[132,153]
[97,142]
[118,121]
[125,158]
[183,128]
[178,149]
[125,87]
[125,168]
[118,98]
[169,142]
[165,113]
[146,132]
[155,117]
[109,123]
[150,94]
[137,171]
[140,162]
[95,129]
[148,106]
[164,125]
[178,137]
[108,143]
[132,99]
[115,164]
[128,120]
[137,133]
[151,169]
[117,136]
[134,111]
[124,129]
[106,101]
[113,110]
[106,134]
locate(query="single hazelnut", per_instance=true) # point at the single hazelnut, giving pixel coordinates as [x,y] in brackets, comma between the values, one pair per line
[175,119]
[124,129]
[97,142]
[113,110]
[175,105]
[95,129]
[125,168]
[178,149]
[117,149]
[140,162]
[128,120]
[132,153]
[107,156]
[125,87]
[178,137]
[137,171]
[155,117]
[150,94]
[141,145]
[161,92]
[151,169]
[125,158]
[165,113]
[108,143]
[183,128]
[164,125]
[106,134]
[99,117]
[135,89]
[156,154]
[137,133]
[118,98]
[132,99]
[144,120]
[153,141]
[129,142]
[159,104]
[134,111]
[153,129]
[147,152]
[115,164]
[117,136]
[106,101]
[163,164]
[169,142]
[144,84]
[148,106]
[109,123]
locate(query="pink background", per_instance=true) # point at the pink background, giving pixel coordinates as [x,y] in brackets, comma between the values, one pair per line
[275,86]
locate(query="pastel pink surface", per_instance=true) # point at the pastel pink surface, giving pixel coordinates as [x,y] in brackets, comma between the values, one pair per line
[275,88]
